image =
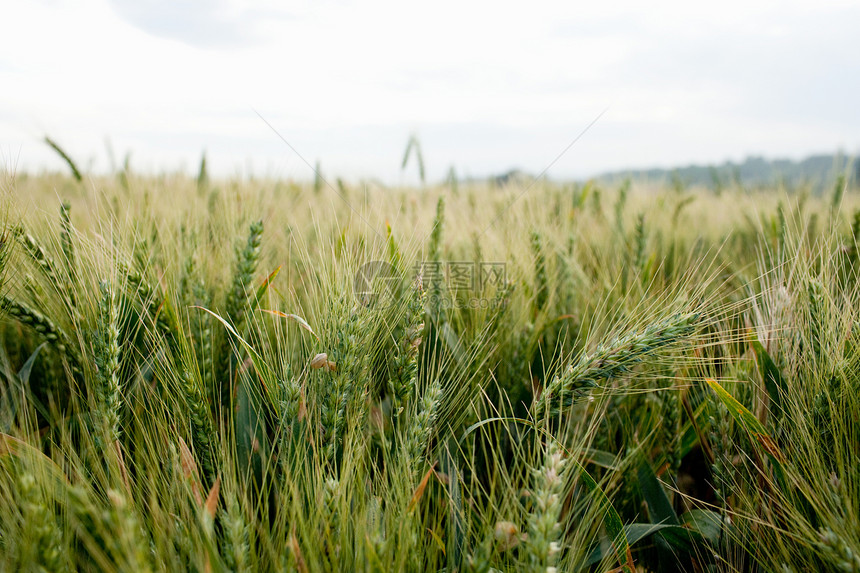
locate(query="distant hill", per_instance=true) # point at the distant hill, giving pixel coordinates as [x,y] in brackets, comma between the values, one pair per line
[819,171]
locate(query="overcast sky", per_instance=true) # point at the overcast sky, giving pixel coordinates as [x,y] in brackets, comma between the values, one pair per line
[485,86]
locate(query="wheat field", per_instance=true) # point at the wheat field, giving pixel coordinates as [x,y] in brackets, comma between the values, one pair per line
[213,374]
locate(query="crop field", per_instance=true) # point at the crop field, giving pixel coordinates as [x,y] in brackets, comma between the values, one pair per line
[214,374]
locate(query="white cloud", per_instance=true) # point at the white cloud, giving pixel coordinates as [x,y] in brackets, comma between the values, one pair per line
[485,86]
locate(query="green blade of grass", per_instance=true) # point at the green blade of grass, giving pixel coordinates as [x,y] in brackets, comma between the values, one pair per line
[302,322]
[770,374]
[261,290]
[746,419]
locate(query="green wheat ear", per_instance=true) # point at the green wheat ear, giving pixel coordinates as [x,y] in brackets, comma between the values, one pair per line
[395,257]
[65,157]
[44,326]
[236,538]
[406,360]
[123,175]
[421,428]
[435,288]
[614,359]
[40,528]
[243,275]
[107,360]
[38,255]
[66,237]
[839,187]
[855,227]
[620,205]
[853,247]
[203,431]
[541,280]
[453,181]
[68,247]
[544,527]
[202,175]
[413,147]
[236,305]
[639,239]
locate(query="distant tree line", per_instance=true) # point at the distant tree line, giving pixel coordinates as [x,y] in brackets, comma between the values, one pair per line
[817,171]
